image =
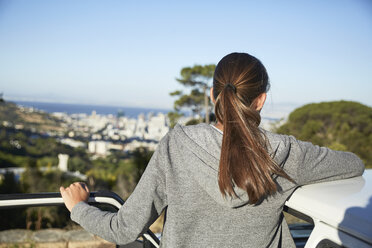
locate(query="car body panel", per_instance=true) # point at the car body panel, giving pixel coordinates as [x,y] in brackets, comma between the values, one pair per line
[343,205]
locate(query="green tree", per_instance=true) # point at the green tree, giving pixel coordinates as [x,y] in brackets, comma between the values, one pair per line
[173,117]
[141,157]
[340,125]
[34,180]
[78,163]
[198,79]
[9,184]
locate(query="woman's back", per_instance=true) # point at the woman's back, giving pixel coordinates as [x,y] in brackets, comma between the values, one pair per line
[199,216]
[197,213]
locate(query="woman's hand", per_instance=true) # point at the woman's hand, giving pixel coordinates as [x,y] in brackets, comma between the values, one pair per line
[73,194]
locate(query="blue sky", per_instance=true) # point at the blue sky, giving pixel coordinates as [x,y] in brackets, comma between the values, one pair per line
[128,53]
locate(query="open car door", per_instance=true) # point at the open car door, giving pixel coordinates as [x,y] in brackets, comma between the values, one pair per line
[149,240]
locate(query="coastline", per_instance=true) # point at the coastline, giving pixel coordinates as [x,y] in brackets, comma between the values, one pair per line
[69,108]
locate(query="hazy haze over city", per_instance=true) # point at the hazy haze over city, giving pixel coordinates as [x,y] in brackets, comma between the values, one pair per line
[128,53]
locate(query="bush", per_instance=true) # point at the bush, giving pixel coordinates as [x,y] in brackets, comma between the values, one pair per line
[340,125]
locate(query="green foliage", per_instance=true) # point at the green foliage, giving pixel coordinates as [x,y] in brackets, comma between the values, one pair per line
[197,75]
[176,93]
[140,157]
[341,125]
[33,180]
[9,184]
[9,160]
[78,163]
[47,162]
[118,174]
[173,118]
[194,122]
[44,149]
[194,101]
[197,78]
[102,173]
[8,112]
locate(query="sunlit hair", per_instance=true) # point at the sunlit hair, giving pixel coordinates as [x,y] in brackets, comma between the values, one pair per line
[238,80]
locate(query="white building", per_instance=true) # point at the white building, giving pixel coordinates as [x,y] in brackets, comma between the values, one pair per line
[98,147]
[72,142]
[136,144]
[62,164]
[157,127]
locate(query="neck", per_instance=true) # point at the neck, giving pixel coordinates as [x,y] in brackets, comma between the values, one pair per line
[219,126]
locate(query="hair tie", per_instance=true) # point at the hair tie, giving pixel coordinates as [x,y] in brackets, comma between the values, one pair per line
[231,86]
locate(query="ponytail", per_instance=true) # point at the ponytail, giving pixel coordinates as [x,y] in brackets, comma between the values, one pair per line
[244,161]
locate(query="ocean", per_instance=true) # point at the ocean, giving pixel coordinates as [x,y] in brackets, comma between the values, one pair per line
[270,112]
[131,112]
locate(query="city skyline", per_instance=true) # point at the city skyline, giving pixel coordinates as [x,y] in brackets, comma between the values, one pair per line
[129,54]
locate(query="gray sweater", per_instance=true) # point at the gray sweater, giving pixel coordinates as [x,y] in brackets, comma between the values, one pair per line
[181,177]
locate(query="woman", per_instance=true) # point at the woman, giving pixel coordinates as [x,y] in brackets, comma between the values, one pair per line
[223,185]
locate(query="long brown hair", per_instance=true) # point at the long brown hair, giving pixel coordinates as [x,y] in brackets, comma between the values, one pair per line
[238,80]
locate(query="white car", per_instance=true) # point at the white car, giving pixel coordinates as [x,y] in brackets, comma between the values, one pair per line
[340,212]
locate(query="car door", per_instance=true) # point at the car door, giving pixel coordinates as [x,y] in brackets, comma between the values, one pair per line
[11,201]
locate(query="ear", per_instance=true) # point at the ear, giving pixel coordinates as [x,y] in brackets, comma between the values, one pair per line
[260,101]
[211,95]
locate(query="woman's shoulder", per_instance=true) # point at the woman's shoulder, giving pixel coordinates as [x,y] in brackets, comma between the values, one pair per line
[194,128]
[203,136]
[276,138]
[279,145]
[197,131]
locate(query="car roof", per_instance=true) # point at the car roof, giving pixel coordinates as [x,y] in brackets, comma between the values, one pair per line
[344,204]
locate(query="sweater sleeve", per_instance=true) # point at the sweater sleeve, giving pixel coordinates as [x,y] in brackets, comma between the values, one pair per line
[139,211]
[311,163]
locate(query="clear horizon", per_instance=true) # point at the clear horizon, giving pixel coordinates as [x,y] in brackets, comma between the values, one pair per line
[280,110]
[125,53]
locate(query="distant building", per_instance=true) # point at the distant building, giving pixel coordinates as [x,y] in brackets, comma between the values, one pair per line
[118,147]
[72,143]
[136,144]
[157,127]
[98,147]
[62,164]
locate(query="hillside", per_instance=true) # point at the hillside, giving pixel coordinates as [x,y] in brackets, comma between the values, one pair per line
[340,125]
[23,118]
